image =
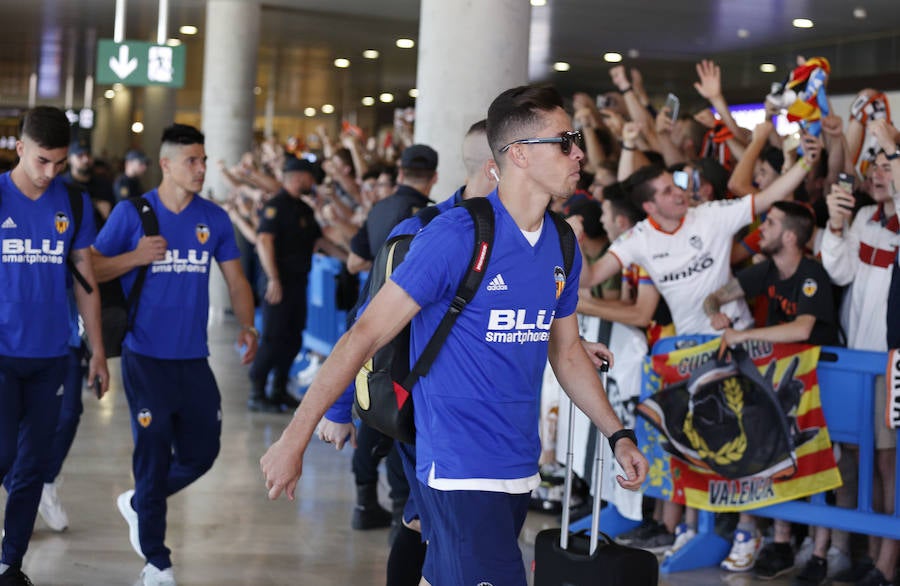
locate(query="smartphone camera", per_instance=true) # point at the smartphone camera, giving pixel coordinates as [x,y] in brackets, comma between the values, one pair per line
[673,104]
[845,181]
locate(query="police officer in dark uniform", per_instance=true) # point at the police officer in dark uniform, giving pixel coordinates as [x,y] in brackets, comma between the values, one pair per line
[415,179]
[128,184]
[287,236]
[81,174]
[417,175]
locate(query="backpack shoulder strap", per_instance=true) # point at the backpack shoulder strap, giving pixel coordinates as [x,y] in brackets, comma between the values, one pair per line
[482,213]
[566,241]
[76,203]
[149,221]
[150,225]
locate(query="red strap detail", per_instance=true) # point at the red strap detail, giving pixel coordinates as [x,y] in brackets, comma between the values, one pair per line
[876,256]
[401,394]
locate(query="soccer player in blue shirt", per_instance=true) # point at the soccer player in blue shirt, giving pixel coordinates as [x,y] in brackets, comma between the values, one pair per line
[38,233]
[176,414]
[477,443]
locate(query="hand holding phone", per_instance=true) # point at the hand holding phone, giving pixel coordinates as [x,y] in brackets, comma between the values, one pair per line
[673,104]
[845,182]
[97,386]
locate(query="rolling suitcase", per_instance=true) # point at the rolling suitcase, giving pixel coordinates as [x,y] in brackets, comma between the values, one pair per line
[563,559]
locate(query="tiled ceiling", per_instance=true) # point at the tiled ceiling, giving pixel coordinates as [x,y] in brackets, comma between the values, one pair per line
[301,39]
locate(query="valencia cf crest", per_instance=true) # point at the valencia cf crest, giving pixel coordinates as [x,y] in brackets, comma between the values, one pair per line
[62,222]
[202,232]
[144,418]
[810,287]
[559,276]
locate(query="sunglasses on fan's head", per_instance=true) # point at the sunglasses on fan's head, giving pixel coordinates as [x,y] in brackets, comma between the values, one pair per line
[565,140]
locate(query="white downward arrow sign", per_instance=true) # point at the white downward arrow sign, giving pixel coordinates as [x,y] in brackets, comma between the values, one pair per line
[123,67]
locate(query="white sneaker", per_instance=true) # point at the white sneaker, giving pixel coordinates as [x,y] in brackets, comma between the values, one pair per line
[683,534]
[838,561]
[804,554]
[744,550]
[305,377]
[51,510]
[131,517]
[153,576]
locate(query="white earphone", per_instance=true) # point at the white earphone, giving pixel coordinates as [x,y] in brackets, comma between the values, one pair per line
[494,174]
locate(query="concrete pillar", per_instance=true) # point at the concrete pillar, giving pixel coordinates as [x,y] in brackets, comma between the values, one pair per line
[159,112]
[469,51]
[229,75]
[112,134]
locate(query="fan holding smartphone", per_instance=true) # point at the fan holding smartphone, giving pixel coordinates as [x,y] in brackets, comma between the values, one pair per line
[672,105]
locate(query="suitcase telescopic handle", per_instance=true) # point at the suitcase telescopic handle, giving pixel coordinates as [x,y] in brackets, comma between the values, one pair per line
[597,477]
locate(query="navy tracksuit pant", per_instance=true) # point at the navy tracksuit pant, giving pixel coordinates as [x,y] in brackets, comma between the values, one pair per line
[31,391]
[176,422]
[282,335]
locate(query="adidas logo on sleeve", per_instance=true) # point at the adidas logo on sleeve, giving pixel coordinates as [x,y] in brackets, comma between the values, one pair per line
[497,284]
[8,223]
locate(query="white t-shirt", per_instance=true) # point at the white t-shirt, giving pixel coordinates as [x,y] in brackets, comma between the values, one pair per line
[692,262]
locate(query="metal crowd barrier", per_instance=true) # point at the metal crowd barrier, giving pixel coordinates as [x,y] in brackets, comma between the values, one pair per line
[325,323]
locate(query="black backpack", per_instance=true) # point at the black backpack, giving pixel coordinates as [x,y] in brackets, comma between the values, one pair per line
[117,312]
[380,400]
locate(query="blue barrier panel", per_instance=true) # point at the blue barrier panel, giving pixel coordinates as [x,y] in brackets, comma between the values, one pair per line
[324,322]
[846,382]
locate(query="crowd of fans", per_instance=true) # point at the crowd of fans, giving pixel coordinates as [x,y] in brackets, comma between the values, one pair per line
[848,162]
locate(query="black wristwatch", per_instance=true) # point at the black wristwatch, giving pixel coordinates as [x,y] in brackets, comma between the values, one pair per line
[626,433]
[894,155]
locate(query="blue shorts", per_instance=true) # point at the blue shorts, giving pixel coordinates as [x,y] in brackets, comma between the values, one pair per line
[473,537]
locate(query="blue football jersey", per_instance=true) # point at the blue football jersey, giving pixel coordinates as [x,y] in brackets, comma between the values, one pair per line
[477,409]
[36,241]
[174,304]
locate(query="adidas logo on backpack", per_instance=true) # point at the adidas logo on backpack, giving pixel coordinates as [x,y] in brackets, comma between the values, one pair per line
[497,284]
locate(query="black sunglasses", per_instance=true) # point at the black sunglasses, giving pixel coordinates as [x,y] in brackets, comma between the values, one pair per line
[565,140]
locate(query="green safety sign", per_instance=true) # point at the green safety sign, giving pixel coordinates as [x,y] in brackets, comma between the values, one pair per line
[136,63]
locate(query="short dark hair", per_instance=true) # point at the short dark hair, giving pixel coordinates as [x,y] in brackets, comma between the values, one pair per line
[798,218]
[715,174]
[516,110]
[346,158]
[182,134]
[622,204]
[47,126]
[480,126]
[590,212]
[638,184]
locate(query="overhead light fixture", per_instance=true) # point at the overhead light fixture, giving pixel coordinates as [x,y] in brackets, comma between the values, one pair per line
[109,94]
[173,42]
[860,13]
[386,97]
[612,57]
[633,53]
[257,91]
[137,127]
[538,2]
[342,63]
[768,68]
[368,101]
[188,29]
[561,66]
[802,23]
[370,54]
[309,112]
[414,93]
[406,43]
[743,33]
[327,109]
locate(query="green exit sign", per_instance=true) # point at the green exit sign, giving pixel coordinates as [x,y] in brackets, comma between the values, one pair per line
[136,63]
